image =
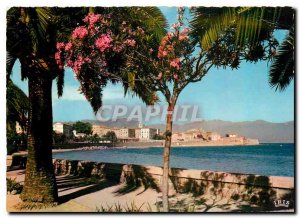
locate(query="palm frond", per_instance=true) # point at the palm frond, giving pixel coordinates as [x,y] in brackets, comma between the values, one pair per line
[282,70]
[10,61]
[17,105]
[149,17]
[251,24]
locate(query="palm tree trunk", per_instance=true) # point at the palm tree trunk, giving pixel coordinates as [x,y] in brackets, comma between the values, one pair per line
[40,183]
[166,158]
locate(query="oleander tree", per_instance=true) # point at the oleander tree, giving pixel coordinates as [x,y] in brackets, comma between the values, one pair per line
[167,68]
[32,35]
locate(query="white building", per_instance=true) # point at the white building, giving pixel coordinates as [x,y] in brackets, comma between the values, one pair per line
[78,135]
[62,128]
[148,133]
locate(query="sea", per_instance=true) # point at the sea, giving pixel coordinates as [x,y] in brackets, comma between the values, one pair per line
[269,159]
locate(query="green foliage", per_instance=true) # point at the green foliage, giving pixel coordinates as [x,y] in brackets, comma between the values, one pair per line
[82,127]
[15,142]
[111,136]
[117,207]
[94,138]
[59,138]
[12,185]
[17,106]
[158,137]
[282,70]
[247,33]
[251,24]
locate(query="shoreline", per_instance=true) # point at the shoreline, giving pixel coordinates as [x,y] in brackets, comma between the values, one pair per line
[151,145]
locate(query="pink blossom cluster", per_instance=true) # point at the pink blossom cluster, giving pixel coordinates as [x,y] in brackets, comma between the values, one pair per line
[57,56]
[103,42]
[140,30]
[80,32]
[175,25]
[184,34]
[60,45]
[92,18]
[92,45]
[77,64]
[130,42]
[165,47]
[175,63]
[68,46]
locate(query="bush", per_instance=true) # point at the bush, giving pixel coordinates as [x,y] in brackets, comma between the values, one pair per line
[13,186]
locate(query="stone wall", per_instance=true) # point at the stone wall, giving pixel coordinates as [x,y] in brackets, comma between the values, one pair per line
[256,189]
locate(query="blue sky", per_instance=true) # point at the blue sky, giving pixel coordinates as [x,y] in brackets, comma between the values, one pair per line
[231,95]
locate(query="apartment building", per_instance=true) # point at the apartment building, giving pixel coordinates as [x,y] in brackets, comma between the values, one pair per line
[62,128]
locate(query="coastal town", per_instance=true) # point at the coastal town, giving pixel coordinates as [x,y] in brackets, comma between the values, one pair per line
[143,136]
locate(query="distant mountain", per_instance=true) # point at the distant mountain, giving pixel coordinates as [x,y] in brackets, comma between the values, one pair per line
[259,129]
[262,130]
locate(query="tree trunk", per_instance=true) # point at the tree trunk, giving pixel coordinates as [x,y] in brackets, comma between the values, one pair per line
[166,158]
[40,184]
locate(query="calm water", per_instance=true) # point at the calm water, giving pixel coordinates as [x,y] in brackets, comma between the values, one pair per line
[266,159]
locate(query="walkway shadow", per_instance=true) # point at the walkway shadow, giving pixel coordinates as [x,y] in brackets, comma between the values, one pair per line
[136,177]
[67,183]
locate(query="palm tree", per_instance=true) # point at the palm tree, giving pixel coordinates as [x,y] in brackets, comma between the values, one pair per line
[17,105]
[253,27]
[31,37]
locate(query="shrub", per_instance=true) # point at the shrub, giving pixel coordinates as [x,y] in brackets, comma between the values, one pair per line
[12,185]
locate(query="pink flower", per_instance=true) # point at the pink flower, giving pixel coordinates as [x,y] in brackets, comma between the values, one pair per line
[88,60]
[164,53]
[103,42]
[92,18]
[118,49]
[183,36]
[159,76]
[60,45]
[68,46]
[175,76]
[170,35]
[175,25]
[130,42]
[175,63]
[150,50]
[186,30]
[69,63]
[57,56]
[79,32]
[140,30]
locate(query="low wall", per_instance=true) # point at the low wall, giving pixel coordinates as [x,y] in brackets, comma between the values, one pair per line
[256,189]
